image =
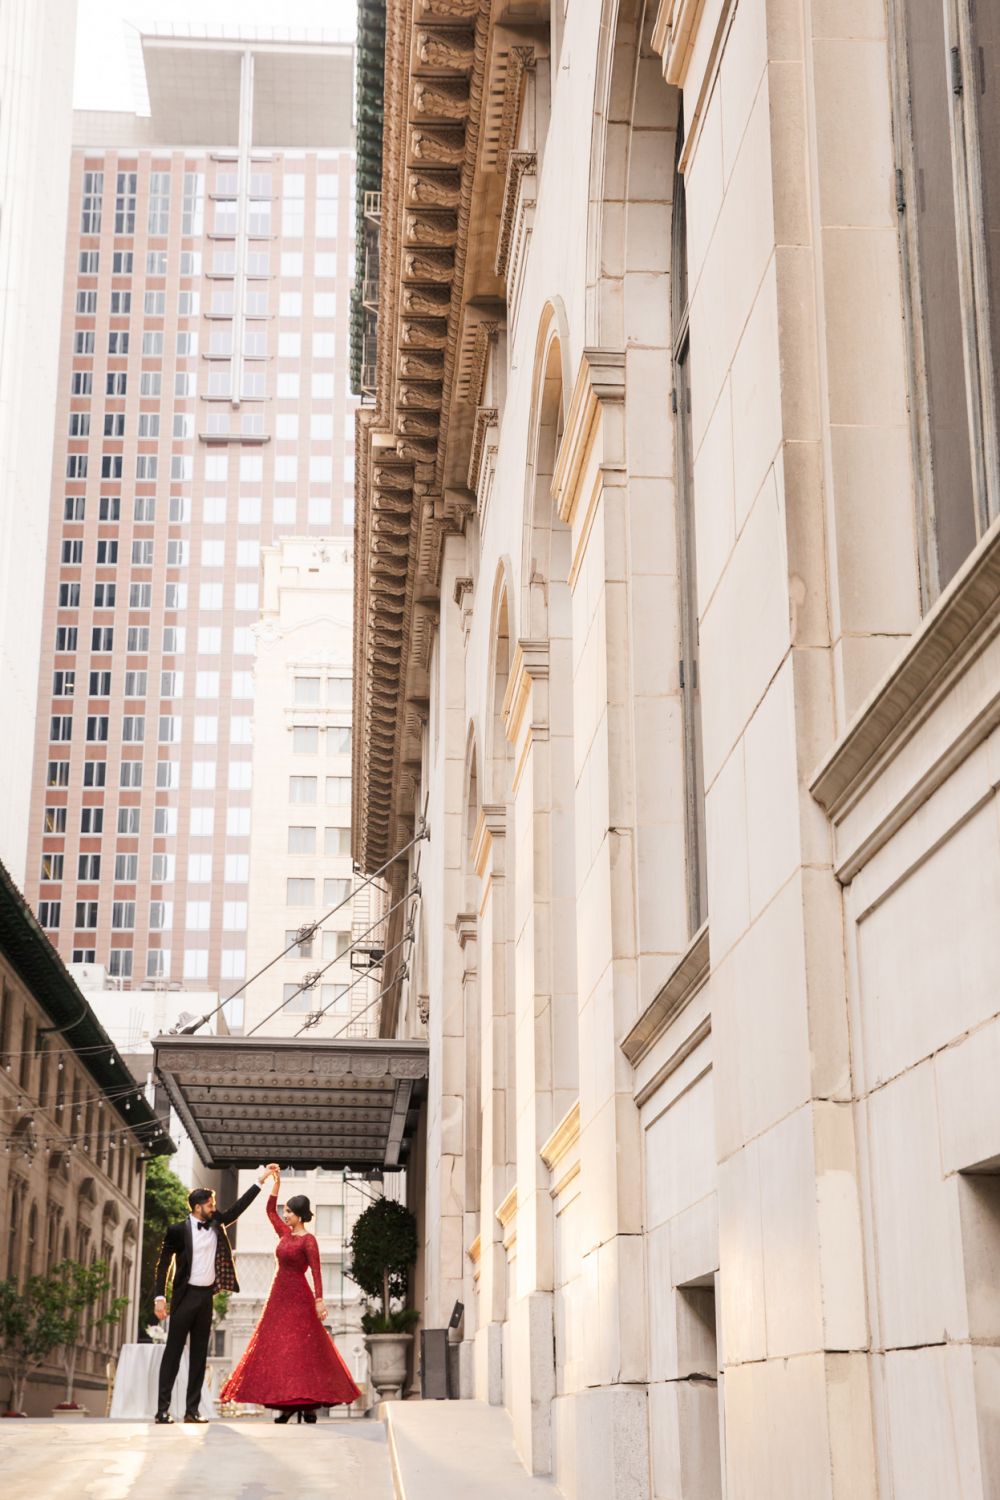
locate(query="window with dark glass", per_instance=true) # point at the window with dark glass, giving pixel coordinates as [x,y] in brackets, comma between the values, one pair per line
[947,127]
[690,686]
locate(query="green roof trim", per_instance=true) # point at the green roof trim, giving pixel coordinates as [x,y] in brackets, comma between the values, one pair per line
[43,973]
[370,108]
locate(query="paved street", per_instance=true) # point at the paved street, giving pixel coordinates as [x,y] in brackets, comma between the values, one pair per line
[244,1460]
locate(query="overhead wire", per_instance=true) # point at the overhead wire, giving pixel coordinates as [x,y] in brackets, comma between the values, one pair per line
[315,1017]
[338,958]
[408,937]
[193,1026]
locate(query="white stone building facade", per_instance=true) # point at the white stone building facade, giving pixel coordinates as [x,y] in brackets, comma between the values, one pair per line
[678,588]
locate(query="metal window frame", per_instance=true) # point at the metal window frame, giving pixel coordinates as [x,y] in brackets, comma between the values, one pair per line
[984,438]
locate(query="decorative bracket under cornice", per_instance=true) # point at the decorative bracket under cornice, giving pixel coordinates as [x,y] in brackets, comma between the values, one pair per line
[466,928]
[488,839]
[529,666]
[597,406]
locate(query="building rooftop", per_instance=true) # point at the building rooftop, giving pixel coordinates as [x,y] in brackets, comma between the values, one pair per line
[187,86]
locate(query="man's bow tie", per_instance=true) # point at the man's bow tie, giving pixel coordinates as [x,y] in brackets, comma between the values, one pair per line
[203,1225]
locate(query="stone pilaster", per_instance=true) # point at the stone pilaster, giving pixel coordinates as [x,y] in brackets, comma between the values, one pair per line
[592,496]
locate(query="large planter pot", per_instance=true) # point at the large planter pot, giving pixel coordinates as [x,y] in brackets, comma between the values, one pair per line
[68,1413]
[387,1352]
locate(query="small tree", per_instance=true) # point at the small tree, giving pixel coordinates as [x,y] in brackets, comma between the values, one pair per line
[82,1287]
[383,1248]
[32,1325]
[166,1202]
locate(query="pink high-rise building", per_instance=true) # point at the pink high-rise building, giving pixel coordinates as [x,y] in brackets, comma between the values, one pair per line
[203,412]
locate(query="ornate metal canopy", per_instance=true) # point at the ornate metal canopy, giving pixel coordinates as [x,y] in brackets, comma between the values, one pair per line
[246,1100]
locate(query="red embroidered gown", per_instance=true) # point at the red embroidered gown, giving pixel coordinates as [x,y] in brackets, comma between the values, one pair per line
[291,1360]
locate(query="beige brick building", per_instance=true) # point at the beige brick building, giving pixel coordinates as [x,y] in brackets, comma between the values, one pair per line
[76,1130]
[678,574]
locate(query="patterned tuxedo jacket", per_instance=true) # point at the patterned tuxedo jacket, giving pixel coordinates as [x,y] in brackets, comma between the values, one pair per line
[177,1251]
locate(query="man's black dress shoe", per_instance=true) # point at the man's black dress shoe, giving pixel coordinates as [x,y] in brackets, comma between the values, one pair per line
[164,1418]
[193,1417]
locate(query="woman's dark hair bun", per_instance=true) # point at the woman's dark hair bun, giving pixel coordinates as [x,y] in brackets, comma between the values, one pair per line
[300,1206]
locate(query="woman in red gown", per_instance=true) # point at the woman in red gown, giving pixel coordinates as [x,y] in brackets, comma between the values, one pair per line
[291,1362]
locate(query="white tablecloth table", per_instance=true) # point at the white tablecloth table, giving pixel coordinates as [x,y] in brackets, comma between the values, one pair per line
[135,1392]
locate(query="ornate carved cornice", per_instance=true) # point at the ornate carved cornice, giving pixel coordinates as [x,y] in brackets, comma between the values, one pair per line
[435,60]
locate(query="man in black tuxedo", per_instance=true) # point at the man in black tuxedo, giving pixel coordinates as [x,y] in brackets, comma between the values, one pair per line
[199,1250]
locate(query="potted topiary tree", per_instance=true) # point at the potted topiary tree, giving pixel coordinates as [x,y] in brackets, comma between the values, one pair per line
[383,1248]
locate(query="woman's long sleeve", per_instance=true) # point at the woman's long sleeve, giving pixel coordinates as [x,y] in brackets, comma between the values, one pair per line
[280,1228]
[312,1251]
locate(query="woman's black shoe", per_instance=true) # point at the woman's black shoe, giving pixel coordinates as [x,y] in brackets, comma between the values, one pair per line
[309,1416]
[284,1416]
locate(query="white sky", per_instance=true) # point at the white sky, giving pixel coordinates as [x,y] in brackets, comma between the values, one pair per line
[103,78]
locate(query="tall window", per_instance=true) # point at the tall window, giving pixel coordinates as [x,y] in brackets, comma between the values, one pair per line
[90,215]
[694,778]
[159,202]
[192,209]
[125,203]
[948,192]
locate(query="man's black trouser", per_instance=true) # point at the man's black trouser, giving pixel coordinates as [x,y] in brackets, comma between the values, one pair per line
[193,1316]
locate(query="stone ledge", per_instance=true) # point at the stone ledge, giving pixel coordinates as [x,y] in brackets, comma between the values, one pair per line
[953,634]
[683,984]
[456,1448]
